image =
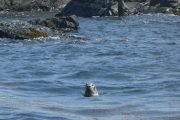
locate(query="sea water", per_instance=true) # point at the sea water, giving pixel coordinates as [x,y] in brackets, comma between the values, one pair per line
[134,62]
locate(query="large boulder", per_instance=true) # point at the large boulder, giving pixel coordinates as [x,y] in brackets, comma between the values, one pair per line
[89,8]
[81,8]
[32,5]
[16,29]
[21,30]
[68,23]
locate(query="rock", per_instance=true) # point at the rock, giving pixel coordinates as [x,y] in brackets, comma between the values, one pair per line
[165,10]
[79,8]
[34,33]
[165,3]
[21,30]
[16,29]
[176,12]
[91,8]
[123,9]
[135,0]
[155,2]
[32,5]
[69,23]
[158,6]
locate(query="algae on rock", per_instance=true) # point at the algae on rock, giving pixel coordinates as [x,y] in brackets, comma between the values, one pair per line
[34,33]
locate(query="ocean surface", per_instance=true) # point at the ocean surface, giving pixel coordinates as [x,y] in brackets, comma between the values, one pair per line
[134,62]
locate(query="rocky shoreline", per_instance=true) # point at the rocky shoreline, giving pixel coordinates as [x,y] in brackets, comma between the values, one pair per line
[91,8]
[32,5]
[67,19]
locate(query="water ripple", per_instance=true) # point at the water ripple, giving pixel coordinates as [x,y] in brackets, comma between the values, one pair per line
[134,62]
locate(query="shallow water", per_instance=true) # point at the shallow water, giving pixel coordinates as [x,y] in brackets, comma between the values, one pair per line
[134,62]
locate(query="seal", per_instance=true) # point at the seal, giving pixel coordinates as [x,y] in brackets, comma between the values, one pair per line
[90,90]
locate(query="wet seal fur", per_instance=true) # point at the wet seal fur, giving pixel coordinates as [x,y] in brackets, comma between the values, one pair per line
[90,90]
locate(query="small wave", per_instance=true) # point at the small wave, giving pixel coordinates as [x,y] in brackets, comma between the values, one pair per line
[80,75]
[110,53]
[37,116]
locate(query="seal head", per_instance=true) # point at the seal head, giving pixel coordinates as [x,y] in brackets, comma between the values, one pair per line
[90,90]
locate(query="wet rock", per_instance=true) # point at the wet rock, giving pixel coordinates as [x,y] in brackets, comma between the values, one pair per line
[38,28]
[165,10]
[32,5]
[91,8]
[176,12]
[123,9]
[34,33]
[80,8]
[159,6]
[165,3]
[21,30]
[155,2]
[109,10]
[68,23]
